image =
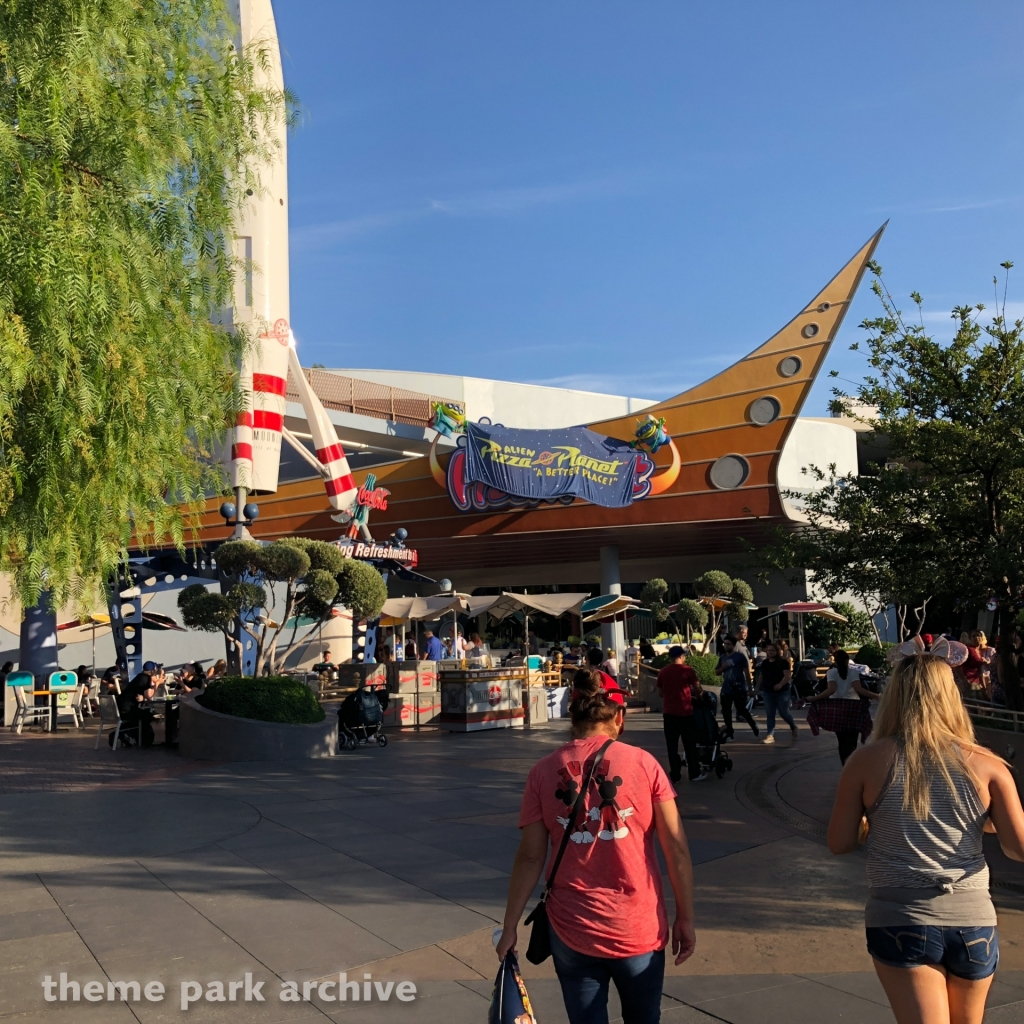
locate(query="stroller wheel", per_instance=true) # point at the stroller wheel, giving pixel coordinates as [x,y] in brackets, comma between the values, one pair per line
[720,767]
[728,764]
[351,743]
[382,739]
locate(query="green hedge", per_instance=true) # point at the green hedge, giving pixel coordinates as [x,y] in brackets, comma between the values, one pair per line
[702,664]
[267,699]
[872,655]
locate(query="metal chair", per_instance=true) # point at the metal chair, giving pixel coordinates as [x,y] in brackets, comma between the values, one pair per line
[23,683]
[63,683]
[110,714]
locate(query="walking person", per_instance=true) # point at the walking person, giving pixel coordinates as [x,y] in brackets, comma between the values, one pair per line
[929,792]
[734,668]
[679,687]
[845,719]
[606,910]
[776,681]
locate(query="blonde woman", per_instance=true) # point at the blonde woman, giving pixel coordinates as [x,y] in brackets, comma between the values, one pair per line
[929,792]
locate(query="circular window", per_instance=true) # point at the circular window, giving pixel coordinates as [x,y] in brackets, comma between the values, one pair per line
[824,307]
[764,411]
[790,366]
[810,331]
[728,472]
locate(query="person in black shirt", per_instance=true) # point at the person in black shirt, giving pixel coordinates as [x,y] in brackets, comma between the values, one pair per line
[776,677]
[133,714]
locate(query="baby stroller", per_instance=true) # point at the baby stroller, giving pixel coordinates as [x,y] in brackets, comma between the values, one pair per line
[709,737]
[361,717]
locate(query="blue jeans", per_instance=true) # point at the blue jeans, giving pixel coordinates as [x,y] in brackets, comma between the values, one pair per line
[584,980]
[968,953]
[777,700]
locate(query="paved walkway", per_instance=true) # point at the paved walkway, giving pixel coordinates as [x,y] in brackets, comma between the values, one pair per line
[140,865]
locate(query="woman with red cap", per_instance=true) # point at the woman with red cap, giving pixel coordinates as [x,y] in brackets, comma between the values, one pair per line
[598,806]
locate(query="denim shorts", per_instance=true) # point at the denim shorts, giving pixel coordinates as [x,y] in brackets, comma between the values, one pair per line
[968,953]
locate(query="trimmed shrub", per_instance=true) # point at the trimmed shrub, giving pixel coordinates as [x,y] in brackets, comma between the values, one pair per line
[702,664]
[872,655]
[266,699]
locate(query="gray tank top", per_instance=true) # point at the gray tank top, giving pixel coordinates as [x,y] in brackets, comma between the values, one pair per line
[933,871]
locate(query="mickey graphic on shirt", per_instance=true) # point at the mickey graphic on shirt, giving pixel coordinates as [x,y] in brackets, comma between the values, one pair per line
[609,817]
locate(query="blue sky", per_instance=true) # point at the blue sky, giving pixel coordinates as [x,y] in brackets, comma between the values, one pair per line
[628,196]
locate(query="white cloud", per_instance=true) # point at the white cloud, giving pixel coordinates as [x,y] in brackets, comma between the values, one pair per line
[493,203]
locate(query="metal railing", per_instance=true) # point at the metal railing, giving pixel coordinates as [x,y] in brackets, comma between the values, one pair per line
[991,716]
[365,398]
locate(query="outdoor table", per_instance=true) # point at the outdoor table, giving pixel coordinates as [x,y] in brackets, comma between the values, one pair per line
[52,694]
[170,704]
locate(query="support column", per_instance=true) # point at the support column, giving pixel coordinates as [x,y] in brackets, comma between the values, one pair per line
[38,653]
[613,634]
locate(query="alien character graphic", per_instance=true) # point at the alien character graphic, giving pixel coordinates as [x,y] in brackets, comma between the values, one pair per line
[608,813]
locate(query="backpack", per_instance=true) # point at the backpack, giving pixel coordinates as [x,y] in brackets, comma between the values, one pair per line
[370,712]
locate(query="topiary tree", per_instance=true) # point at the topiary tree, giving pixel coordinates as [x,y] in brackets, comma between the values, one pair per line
[713,588]
[692,615]
[306,568]
[362,589]
[213,613]
[741,595]
[652,596]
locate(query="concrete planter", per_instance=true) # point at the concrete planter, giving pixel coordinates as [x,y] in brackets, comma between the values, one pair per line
[210,736]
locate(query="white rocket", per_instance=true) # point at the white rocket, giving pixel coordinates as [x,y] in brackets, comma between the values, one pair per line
[262,304]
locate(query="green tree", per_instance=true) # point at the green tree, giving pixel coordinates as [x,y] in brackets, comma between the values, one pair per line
[309,570]
[951,414]
[362,589]
[857,630]
[719,593]
[652,596]
[875,535]
[130,136]
[693,616]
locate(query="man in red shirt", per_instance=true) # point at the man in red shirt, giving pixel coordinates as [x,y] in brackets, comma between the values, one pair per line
[679,686]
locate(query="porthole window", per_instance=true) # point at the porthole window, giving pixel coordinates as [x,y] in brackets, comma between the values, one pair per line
[824,307]
[764,410]
[729,472]
[790,366]
[810,330]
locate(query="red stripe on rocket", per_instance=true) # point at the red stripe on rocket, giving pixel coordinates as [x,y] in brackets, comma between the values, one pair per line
[341,488]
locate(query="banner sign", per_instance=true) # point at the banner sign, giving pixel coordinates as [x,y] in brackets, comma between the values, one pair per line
[536,466]
[373,552]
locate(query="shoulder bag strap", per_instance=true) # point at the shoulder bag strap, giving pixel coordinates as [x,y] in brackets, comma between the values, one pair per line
[577,807]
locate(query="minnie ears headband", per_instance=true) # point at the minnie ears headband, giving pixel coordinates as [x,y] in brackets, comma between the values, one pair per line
[612,693]
[951,652]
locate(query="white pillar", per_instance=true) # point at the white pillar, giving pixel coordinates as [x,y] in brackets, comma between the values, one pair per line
[613,635]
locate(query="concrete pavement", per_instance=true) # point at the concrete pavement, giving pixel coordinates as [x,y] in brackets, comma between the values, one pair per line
[141,865]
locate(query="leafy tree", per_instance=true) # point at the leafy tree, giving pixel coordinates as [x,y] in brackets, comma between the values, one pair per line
[130,135]
[213,613]
[875,535]
[720,593]
[953,413]
[310,570]
[652,596]
[693,616]
[857,630]
[362,589]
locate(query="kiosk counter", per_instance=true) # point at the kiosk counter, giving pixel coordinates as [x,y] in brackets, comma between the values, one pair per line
[482,698]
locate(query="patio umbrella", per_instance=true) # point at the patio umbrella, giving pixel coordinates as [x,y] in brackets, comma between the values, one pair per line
[802,608]
[609,608]
[556,605]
